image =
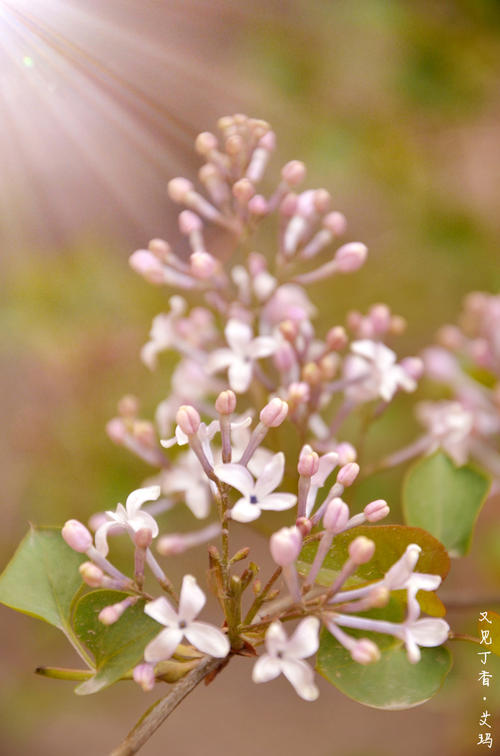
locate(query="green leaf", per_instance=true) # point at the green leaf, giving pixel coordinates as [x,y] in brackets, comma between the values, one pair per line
[116,648]
[494,635]
[445,500]
[391,542]
[390,683]
[42,578]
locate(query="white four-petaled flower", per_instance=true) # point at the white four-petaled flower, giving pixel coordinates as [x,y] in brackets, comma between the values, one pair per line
[129,517]
[239,358]
[257,495]
[373,372]
[285,656]
[181,623]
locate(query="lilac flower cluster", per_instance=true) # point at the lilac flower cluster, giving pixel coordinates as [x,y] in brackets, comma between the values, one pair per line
[244,326]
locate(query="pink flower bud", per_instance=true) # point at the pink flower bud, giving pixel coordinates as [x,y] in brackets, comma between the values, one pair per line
[188,419]
[380,316]
[91,574]
[336,338]
[348,474]
[322,199]
[347,453]
[147,265]
[365,651]
[336,516]
[205,143]
[288,205]
[171,545]
[284,358]
[361,550]
[274,413]
[189,222]
[202,264]
[111,614]
[298,393]
[144,674]
[285,545]
[77,536]
[335,223]
[308,464]
[376,510]
[143,538]
[144,432]
[225,404]
[128,406]
[413,367]
[160,249]
[116,430]
[258,205]
[179,188]
[350,257]
[450,337]
[293,173]
[268,141]
[243,190]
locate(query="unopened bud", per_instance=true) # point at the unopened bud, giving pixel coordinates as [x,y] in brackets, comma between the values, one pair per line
[144,675]
[202,264]
[336,338]
[376,510]
[128,406]
[308,464]
[322,199]
[243,190]
[144,432]
[348,474]
[289,330]
[111,614]
[450,337]
[188,419]
[336,516]
[116,430]
[298,393]
[288,205]
[147,265]
[178,189]
[293,173]
[91,574]
[413,367]
[380,317]
[77,536]
[335,223]
[311,374]
[328,366]
[205,143]
[285,546]
[274,413]
[189,222]
[171,545]
[240,555]
[225,404]
[398,325]
[361,550]
[284,357]
[258,205]
[160,249]
[365,651]
[350,257]
[346,453]
[143,538]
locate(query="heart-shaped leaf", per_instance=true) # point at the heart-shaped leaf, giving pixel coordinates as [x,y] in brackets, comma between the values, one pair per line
[445,500]
[116,648]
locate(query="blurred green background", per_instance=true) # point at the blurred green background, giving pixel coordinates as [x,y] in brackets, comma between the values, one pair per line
[394,106]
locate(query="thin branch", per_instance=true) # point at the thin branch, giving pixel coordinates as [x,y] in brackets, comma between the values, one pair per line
[158,713]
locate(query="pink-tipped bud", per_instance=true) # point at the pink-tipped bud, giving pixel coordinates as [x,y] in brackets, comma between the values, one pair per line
[202,264]
[346,452]
[147,265]
[96,520]
[258,205]
[398,325]
[143,538]
[365,651]
[160,249]
[77,536]
[178,189]
[274,413]
[91,574]
[284,358]
[336,516]
[225,404]
[311,374]
[205,143]
[111,614]
[128,406]
[348,474]
[288,205]
[144,432]
[285,545]
[376,510]
[268,141]
[308,464]
[243,190]
[298,393]
[328,366]
[293,173]
[413,367]
[289,330]
[350,257]
[305,525]
[188,419]
[189,222]
[116,430]
[336,338]
[322,199]
[450,337]
[335,223]
[361,550]
[144,675]
[171,545]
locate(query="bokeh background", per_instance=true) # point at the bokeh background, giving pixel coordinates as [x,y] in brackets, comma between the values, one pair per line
[395,109]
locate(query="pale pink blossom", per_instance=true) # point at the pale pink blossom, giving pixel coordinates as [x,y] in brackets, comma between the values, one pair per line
[129,517]
[373,373]
[243,351]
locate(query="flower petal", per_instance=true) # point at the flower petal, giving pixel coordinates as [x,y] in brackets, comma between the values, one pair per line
[198,500]
[240,375]
[192,599]
[326,464]
[238,336]
[429,632]
[163,646]
[101,536]
[237,476]
[276,638]
[243,511]
[208,639]
[301,676]
[266,668]
[305,640]
[137,498]
[144,520]
[162,611]
[271,476]
[219,360]
[262,346]
[277,502]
